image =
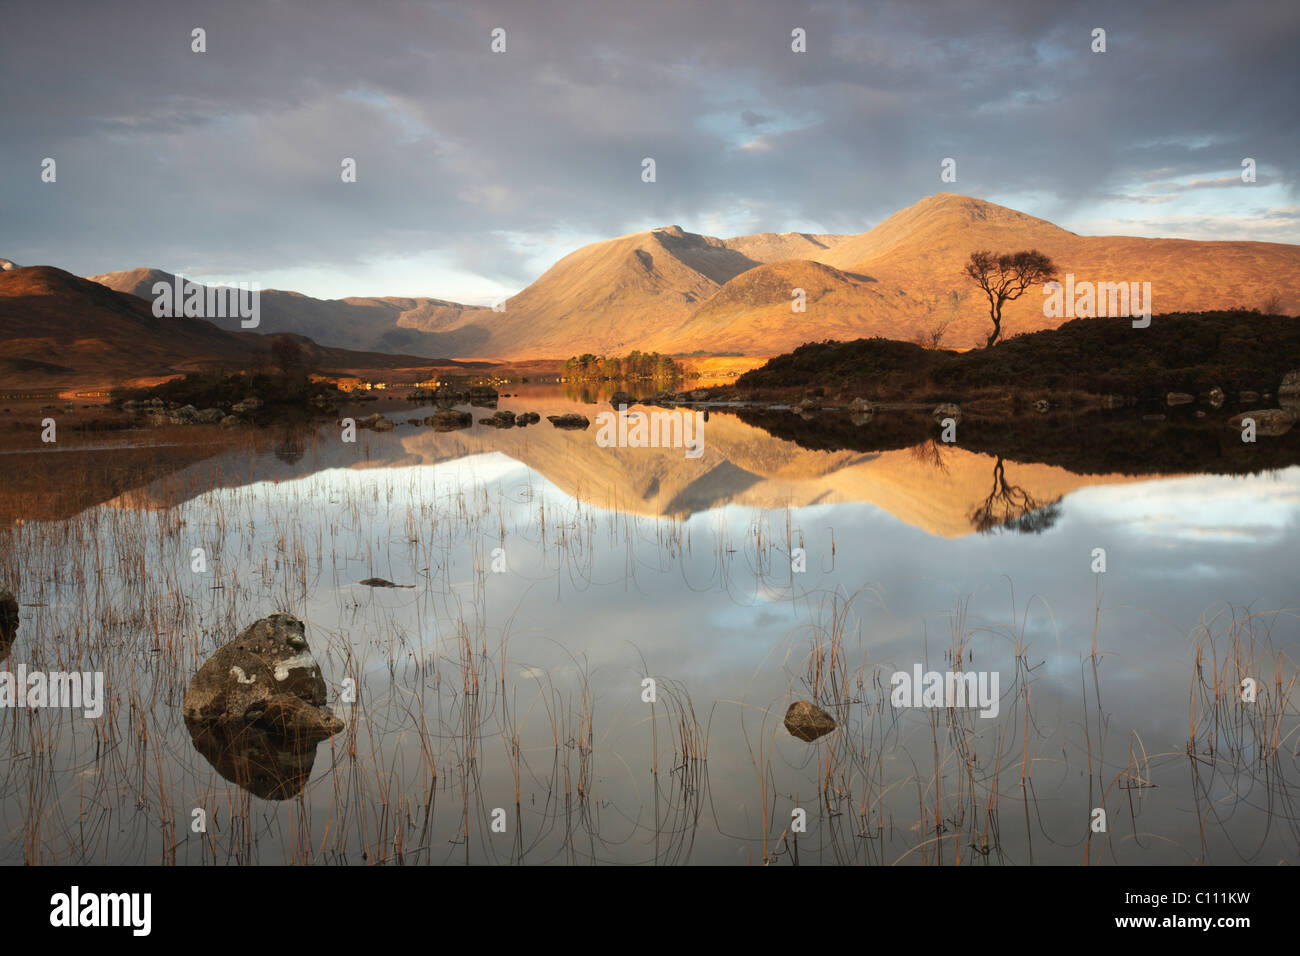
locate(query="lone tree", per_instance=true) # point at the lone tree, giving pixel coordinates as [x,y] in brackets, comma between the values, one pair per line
[287,352]
[1005,278]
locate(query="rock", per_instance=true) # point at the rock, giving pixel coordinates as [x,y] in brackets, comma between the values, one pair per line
[504,418]
[185,415]
[807,721]
[861,418]
[1178,398]
[862,405]
[266,764]
[1042,405]
[1246,397]
[622,398]
[382,424]
[947,410]
[265,678]
[231,421]
[569,421]
[1214,397]
[383,583]
[1200,413]
[528,418]
[251,404]
[699,394]
[8,621]
[1288,393]
[1269,422]
[808,405]
[210,416]
[413,421]
[450,421]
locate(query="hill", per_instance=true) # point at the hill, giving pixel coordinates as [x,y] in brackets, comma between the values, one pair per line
[422,326]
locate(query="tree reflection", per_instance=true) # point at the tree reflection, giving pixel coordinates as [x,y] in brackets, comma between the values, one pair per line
[1012,508]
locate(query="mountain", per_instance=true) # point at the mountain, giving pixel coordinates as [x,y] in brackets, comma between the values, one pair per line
[75,330]
[60,330]
[423,326]
[906,277]
[678,292]
[611,295]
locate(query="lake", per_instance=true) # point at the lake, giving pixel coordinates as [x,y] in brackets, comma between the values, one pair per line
[498,704]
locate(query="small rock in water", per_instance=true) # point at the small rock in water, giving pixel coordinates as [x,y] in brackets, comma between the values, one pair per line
[570,420]
[807,721]
[382,583]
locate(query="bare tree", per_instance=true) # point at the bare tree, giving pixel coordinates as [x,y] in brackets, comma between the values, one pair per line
[1012,508]
[1005,278]
[287,352]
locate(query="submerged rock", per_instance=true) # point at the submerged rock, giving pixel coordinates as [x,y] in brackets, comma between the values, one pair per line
[571,420]
[266,678]
[1178,398]
[527,418]
[807,721]
[383,583]
[266,764]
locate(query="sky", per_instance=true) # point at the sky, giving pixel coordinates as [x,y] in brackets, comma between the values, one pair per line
[476,170]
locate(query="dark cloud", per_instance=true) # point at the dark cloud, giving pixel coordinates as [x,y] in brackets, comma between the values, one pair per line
[228,161]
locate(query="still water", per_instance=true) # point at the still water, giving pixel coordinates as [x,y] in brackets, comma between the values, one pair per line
[496,703]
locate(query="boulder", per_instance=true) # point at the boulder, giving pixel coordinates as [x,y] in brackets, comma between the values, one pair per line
[1214,397]
[699,394]
[1178,398]
[861,405]
[1042,405]
[211,416]
[265,678]
[622,398]
[451,420]
[947,410]
[1288,393]
[807,721]
[808,405]
[569,421]
[381,424]
[250,404]
[1269,422]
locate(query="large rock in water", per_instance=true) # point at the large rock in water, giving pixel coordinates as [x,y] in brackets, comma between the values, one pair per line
[1269,422]
[265,678]
[1288,393]
[807,721]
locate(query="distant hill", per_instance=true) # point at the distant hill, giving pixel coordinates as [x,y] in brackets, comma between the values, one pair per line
[59,330]
[430,327]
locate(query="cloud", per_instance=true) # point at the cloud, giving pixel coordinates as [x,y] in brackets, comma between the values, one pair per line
[229,160]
